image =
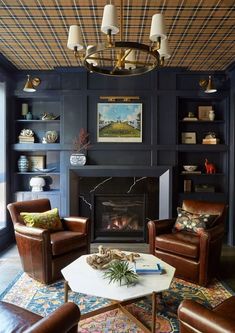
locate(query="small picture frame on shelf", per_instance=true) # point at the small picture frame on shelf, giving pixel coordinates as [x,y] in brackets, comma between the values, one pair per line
[203,112]
[36,162]
[188,137]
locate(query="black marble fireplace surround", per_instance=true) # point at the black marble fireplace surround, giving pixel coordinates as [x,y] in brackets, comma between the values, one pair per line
[105,192]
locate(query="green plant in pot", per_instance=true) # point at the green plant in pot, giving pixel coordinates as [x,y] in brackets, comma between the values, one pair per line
[120,271]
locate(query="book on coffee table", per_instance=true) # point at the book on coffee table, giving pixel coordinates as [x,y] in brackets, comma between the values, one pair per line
[143,268]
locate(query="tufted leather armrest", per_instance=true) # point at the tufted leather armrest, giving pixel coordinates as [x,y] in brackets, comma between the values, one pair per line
[74,223]
[62,320]
[158,227]
[194,317]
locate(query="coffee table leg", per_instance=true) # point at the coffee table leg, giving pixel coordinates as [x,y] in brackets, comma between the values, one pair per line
[153,312]
[66,291]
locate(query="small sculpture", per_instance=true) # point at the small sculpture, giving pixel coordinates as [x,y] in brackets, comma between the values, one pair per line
[48,116]
[102,259]
[210,167]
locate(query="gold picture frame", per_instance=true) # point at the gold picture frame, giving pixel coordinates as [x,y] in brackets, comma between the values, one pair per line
[36,162]
[188,137]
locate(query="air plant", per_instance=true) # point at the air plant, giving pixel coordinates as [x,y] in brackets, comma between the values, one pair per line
[120,271]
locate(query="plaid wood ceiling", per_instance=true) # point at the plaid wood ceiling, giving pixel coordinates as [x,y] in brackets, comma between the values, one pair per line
[34,33]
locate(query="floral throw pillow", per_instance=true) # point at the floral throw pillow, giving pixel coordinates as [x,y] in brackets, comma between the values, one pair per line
[46,220]
[193,222]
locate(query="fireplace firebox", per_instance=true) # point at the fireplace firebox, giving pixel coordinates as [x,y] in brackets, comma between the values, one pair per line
[119,216]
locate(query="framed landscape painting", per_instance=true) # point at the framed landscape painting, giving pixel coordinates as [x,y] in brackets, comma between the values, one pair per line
[119,122]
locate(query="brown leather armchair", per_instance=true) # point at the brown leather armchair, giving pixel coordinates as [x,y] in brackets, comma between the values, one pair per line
[15,319]
[44,253]
[194,317]
[195,257]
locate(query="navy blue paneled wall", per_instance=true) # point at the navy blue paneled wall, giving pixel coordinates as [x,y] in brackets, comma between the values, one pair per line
[158,92]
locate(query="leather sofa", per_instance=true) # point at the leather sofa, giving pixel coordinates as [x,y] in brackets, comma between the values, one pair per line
[14,319]
[44,253]
[194,317]
[195,257]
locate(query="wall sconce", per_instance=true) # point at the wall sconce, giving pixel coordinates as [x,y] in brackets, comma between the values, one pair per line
[31,84]
[208,85]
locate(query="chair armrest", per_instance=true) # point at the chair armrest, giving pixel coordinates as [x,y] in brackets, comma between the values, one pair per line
[193,317]
[29,231]
[158,227]
[79,224]
[215,232]
[61,320]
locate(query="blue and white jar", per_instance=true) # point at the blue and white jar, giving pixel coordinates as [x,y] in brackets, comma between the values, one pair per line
[23,163]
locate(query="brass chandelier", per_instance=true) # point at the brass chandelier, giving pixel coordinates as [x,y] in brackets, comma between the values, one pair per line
[120,58]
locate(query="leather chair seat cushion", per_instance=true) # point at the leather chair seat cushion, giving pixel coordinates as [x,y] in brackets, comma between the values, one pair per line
[66,241]
[227,308]
[181,243]
[15,319]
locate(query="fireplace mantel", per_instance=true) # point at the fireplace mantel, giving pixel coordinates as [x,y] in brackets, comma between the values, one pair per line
[163,173]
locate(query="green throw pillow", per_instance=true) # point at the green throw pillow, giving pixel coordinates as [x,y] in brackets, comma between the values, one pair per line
[46,220]
[193,222]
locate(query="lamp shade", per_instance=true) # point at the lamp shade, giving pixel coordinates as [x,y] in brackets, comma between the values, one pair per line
[130,57]
[110,21]
[75,38]
[95,55]
[210,87]
[164,51]
[157,28]
[29,85]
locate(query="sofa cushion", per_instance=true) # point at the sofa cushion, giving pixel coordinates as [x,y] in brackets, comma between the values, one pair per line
[66,241]
[15,319]
[192,222]
[46,220]
[182,243]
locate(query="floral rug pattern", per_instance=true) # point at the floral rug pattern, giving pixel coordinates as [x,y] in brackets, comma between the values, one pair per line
[42,299]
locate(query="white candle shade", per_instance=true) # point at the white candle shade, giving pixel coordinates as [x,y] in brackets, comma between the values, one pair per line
[75,38]
[130,57]
[157,28]
[109,21]
[164,49]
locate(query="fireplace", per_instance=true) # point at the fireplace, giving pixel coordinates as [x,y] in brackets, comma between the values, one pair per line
[119,216]
[120,200]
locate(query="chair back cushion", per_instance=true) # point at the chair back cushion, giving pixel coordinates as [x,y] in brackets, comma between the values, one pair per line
[204,207]
[15,208]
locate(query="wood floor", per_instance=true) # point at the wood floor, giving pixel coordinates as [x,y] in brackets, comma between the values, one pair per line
[10,262]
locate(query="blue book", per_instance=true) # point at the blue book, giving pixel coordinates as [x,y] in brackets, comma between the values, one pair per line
[141,268]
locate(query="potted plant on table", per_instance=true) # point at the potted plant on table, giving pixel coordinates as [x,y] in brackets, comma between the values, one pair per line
[80,144]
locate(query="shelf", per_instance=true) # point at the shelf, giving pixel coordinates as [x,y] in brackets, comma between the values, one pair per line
[202,121]
[202,174]
[38,173]
[205,195]
[40,192]
[202,148]
[37,121]
[36,146]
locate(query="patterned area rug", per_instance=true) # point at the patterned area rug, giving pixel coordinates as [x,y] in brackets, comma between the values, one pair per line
[41,299]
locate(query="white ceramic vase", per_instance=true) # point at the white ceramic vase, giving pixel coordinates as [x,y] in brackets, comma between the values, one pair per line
[212,115]
[77,159]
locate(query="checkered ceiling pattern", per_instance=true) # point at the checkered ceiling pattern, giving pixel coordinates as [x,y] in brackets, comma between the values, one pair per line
[34,32]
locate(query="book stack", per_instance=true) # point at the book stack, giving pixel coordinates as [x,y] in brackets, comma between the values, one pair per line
[210,141]
[145,268]
[26,139]
[187,185]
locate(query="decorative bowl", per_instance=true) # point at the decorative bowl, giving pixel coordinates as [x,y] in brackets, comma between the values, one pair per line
[190,168]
